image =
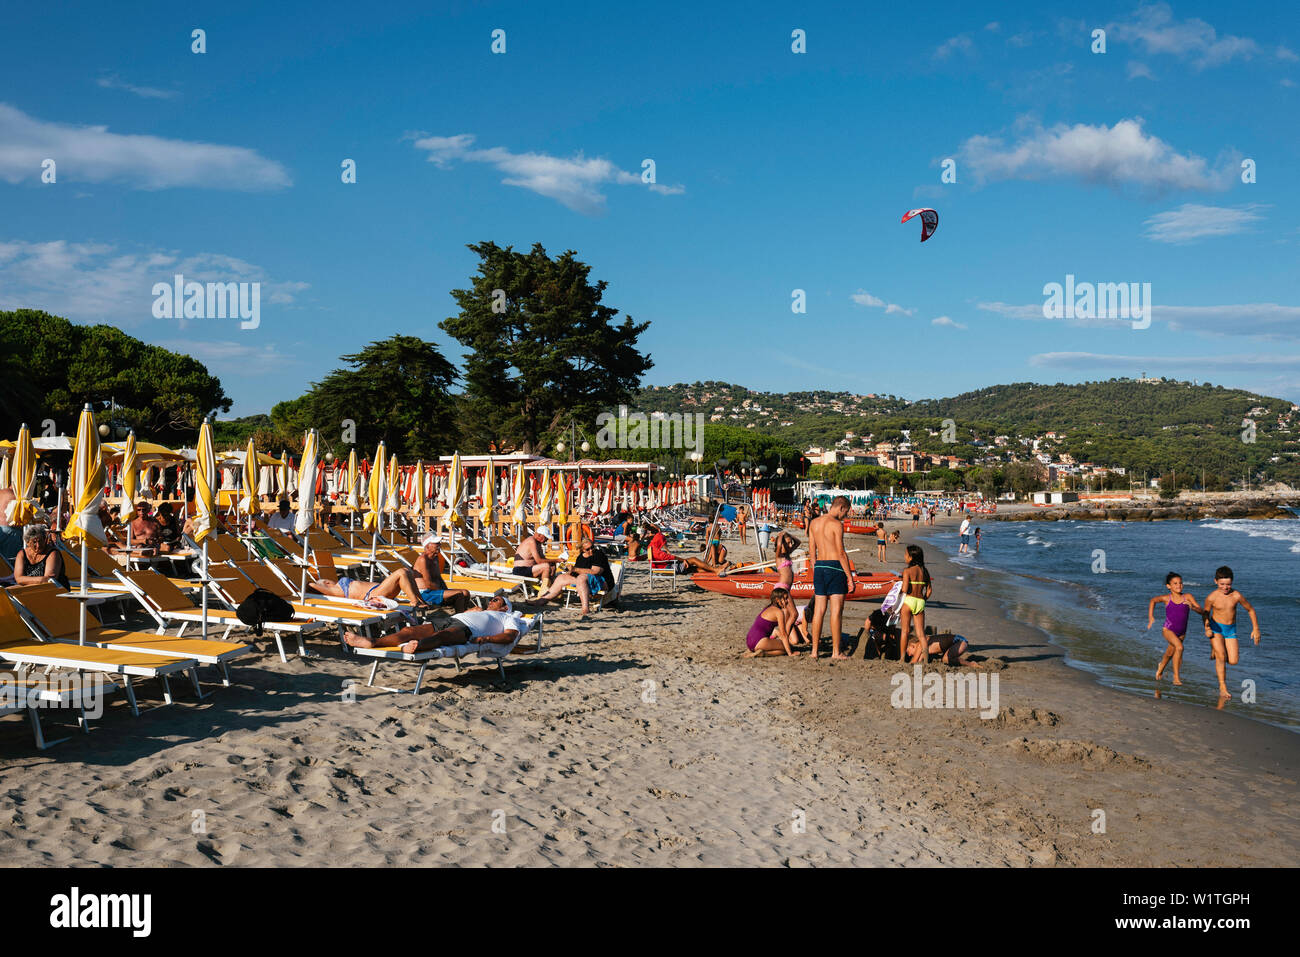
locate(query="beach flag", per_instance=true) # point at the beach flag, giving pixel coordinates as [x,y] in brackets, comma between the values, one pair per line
[87,483]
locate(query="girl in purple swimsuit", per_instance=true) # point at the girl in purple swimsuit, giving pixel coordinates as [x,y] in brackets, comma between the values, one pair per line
[760,640]
[1178,608]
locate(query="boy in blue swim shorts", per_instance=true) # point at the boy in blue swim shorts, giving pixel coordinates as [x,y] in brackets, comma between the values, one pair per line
[832,573]
[1221,625]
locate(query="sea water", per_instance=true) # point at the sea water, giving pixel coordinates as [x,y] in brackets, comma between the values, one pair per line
[1087,584]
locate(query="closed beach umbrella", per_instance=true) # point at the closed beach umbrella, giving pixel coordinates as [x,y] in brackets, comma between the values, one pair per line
[519,500]
[248,504]
[130,481]
[394,484]
[354,483]
[377,487]
[562,501]
[489,493]
[455,493]
[545,498]
[87,492]
[282,475]
[306,500]
[23,472]
[5,480]
[417,499]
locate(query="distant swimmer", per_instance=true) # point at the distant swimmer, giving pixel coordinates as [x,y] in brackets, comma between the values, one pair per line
[1221,624]
[1178,608]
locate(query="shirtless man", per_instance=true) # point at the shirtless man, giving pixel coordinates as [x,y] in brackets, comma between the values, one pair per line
[428,578]
[1221,625]
[831,573]
[498,625]
[530,559]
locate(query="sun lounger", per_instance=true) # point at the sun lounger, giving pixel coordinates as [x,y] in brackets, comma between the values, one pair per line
[494,654]
[20,645]
[31,693]
[59,619]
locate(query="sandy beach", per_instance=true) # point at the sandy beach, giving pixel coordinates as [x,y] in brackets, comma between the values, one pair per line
[643,738]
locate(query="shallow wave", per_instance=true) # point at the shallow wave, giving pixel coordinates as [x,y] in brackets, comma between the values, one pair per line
[1279,530]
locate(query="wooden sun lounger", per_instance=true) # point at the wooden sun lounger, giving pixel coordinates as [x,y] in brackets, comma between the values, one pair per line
[19,645]
[484,652]
[59,619]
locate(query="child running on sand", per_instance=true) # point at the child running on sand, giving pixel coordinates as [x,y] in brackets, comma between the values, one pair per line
[1221,624]
[759,641]
[1178,607]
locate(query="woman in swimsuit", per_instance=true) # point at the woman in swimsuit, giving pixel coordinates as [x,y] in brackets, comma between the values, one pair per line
[917,589]
[715,556]
[1178,608]
[759,641]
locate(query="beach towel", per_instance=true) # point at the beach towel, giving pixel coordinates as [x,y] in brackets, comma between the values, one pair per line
[893,599]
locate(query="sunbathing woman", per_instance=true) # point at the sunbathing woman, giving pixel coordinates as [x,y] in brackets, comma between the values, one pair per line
[759,641]
[1178,608]
[399,581]
[917,589]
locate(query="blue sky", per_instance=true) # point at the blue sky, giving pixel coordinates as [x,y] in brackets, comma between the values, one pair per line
[775,171]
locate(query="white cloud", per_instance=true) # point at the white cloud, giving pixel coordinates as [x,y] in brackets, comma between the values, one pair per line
[1286,53]
[574,182]
[114,82]
[993,26]
[1154,28]
[97,282]
[1191,222]
[958,44]
[227,360]
[1135,70]
[864,298]
[92,154]
[1116,156]
[1258,320]
[1201,364]
[945,321]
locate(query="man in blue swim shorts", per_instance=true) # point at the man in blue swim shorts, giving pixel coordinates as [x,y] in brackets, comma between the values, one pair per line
[832,573]
[428,577]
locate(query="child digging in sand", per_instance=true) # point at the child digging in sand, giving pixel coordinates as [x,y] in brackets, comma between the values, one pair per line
[1221,625]
[1178,607]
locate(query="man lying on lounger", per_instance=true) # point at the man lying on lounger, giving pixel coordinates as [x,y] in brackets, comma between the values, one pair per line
[499,625]
[399,581]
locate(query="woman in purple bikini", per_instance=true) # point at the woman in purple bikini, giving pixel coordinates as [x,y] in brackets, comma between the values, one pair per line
[1178,608]
[773,618]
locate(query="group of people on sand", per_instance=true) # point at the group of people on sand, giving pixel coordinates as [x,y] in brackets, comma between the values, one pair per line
[783,629]
[1219,616]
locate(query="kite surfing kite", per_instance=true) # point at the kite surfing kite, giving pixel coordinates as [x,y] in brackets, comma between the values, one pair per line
[929,221]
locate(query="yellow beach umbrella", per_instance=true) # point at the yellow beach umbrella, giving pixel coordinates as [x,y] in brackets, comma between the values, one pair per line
[562,498]
[378,486]
[130,483]
[205,496]
[86,485]
[282,474]
[519,503]
[419,504]
[5,482]
[394,485]
[248,504]
[354,487]
[489,493]
[455,493]
[23,472]
[544,504]
[306,499]
[87,491]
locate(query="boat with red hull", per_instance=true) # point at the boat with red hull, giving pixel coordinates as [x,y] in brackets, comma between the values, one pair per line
[759,585]
[851,527]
